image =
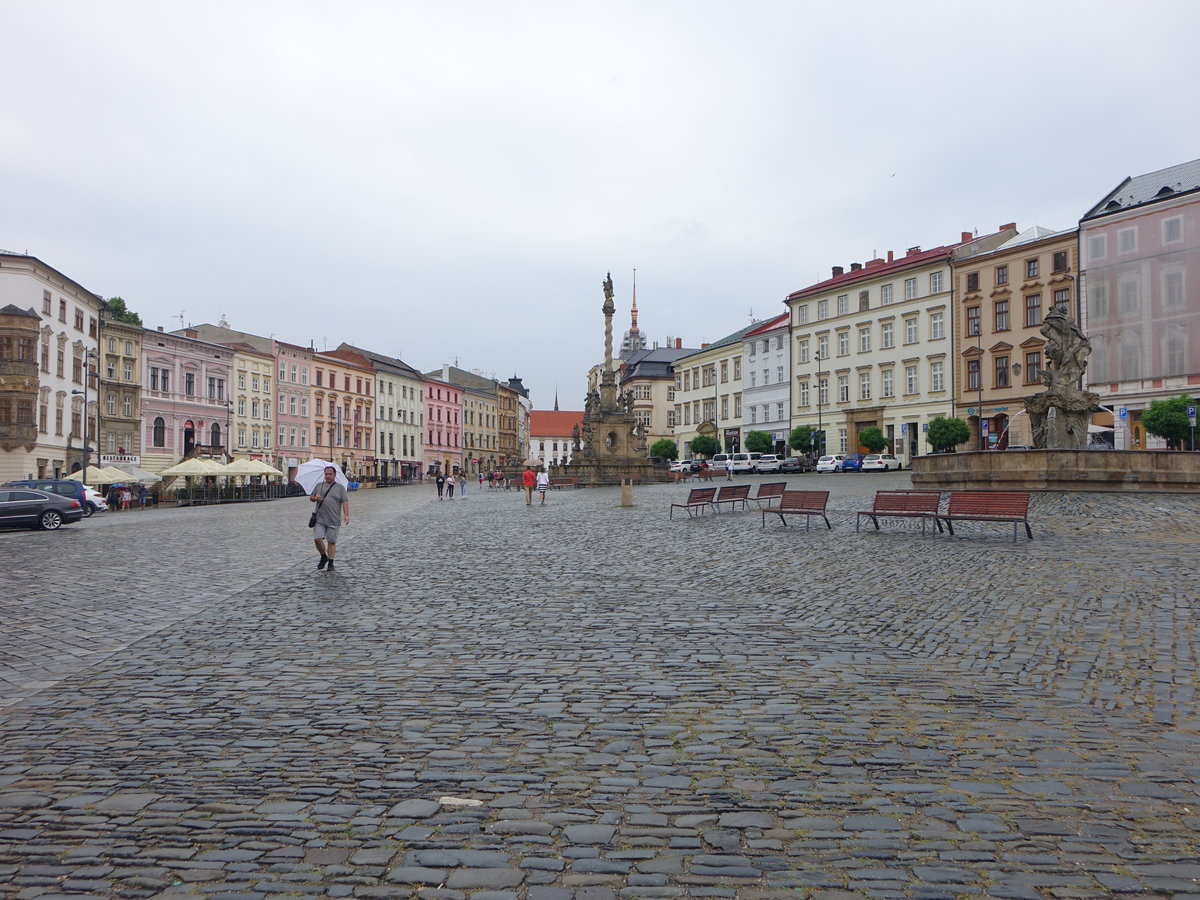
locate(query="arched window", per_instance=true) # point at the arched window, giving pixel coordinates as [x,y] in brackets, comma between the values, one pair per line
[159,438]
[216,435]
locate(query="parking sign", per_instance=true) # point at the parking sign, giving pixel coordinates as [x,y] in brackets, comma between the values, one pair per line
[1123,413]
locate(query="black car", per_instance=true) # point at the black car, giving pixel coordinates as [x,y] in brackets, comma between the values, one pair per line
[37,509]
[795,464]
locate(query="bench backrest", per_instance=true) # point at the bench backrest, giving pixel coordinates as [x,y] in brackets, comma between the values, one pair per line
[906,501]
[773,489]
[988,503]
[701,495]
[803,500]
[734,492]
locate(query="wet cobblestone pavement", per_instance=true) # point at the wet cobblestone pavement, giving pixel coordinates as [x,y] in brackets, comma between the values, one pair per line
[582,702]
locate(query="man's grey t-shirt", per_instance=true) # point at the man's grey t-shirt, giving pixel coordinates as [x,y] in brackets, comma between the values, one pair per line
[330,511]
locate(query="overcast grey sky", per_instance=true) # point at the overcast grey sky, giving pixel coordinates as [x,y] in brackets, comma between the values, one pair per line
[450,182]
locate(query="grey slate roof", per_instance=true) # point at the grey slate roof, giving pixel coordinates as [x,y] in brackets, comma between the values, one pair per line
[1149,188]
[14,310]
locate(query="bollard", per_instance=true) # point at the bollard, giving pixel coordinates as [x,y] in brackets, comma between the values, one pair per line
[626,492]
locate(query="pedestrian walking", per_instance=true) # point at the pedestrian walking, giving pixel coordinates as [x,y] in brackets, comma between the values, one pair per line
[729,468]
[527,482]
[481,479]
[440,481]
[543,485]
[142,495]
[126,497]
[333,511]
[450,485]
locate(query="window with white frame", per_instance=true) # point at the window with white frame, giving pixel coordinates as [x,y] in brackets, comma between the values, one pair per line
[937,376]
[766,376]
[753,378]
[910,379]
[803,351]
[304,406]
[822,391]
[864,340]
[283,370]
[110,404]
[803,314]
[1097,247]
[241,406]
[753,414]
[127,406]
[779,410]
[778,374]
[910,288]
[1127,240]
[282,407]
[842,444]
[889,383]
[937,326]
[241,437]
[885,294]
[823,347]
[843,388]
[889,335]
[935,282]
[843,304]
[864,385]
[843,339]
[241,381]
[910,330]
[1172,230]
[804,393]
[822,309]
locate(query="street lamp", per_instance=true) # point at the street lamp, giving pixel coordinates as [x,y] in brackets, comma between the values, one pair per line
[820,431]
[979,383]
[87,356]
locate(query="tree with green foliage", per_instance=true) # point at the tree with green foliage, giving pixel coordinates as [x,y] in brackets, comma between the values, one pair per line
[114,308]
[664,448]
[704,445]
[872,438]
[1168,419]
[805,439]
[946,433]
[759,442]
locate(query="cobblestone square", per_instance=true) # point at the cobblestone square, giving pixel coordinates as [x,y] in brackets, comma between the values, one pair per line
[580,702]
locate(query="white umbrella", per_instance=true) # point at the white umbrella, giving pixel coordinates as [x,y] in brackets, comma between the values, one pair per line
[312,473]
[195,466]
[250,467]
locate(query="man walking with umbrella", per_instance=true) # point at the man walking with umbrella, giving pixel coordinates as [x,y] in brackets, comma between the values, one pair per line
[333,511]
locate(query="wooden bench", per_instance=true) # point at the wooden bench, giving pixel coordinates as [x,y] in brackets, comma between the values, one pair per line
[560,483]
[733,494]
[903,504]
[988,506]
[698,500]
[768,492]
[680,476]
[705,474]
[800,503]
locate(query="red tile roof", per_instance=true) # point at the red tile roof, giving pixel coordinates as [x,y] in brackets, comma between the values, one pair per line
[553,422]
[869,271]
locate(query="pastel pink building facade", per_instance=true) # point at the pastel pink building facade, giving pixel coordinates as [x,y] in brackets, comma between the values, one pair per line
[443,426]
[293,365]
[1141,255]
[185,399]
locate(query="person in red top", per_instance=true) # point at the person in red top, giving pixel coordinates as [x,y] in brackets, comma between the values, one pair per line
[527,481]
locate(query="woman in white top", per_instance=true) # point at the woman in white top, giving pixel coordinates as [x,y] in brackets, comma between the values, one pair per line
[543,485]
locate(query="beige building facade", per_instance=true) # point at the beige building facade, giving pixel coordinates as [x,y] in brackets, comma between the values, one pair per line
[708,394]
[1001,297]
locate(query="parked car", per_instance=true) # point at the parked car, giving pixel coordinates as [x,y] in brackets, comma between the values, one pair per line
[95,500]
[769,462]
[682,465]
[64,487]
[795,464]
[832,463]
[880,462]
[23,506]
[1019,447]
[718,461]
[853,462]
[743,463]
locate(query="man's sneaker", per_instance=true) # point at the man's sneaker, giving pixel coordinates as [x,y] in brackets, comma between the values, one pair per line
[324,561]
[329,567]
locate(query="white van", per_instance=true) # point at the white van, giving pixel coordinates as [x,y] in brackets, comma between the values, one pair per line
[742,462]
[718,461]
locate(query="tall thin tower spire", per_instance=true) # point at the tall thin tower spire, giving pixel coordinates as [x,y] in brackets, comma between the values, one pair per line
[633,329]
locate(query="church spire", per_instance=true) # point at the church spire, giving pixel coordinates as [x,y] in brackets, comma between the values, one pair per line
[633,329]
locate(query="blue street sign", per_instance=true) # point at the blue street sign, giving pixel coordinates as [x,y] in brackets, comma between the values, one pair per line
[1192,411]
[983,424]
[1123,413]
[924,426]
[904,428]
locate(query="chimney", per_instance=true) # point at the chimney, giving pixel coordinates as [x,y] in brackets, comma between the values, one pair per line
[160,328]
[912,251]
[189,333]
[855,267]
[445,371]
[838,270]
[1012,225]
[704,346]
[890,256]
[678,343]
[877,261]
[966,236]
